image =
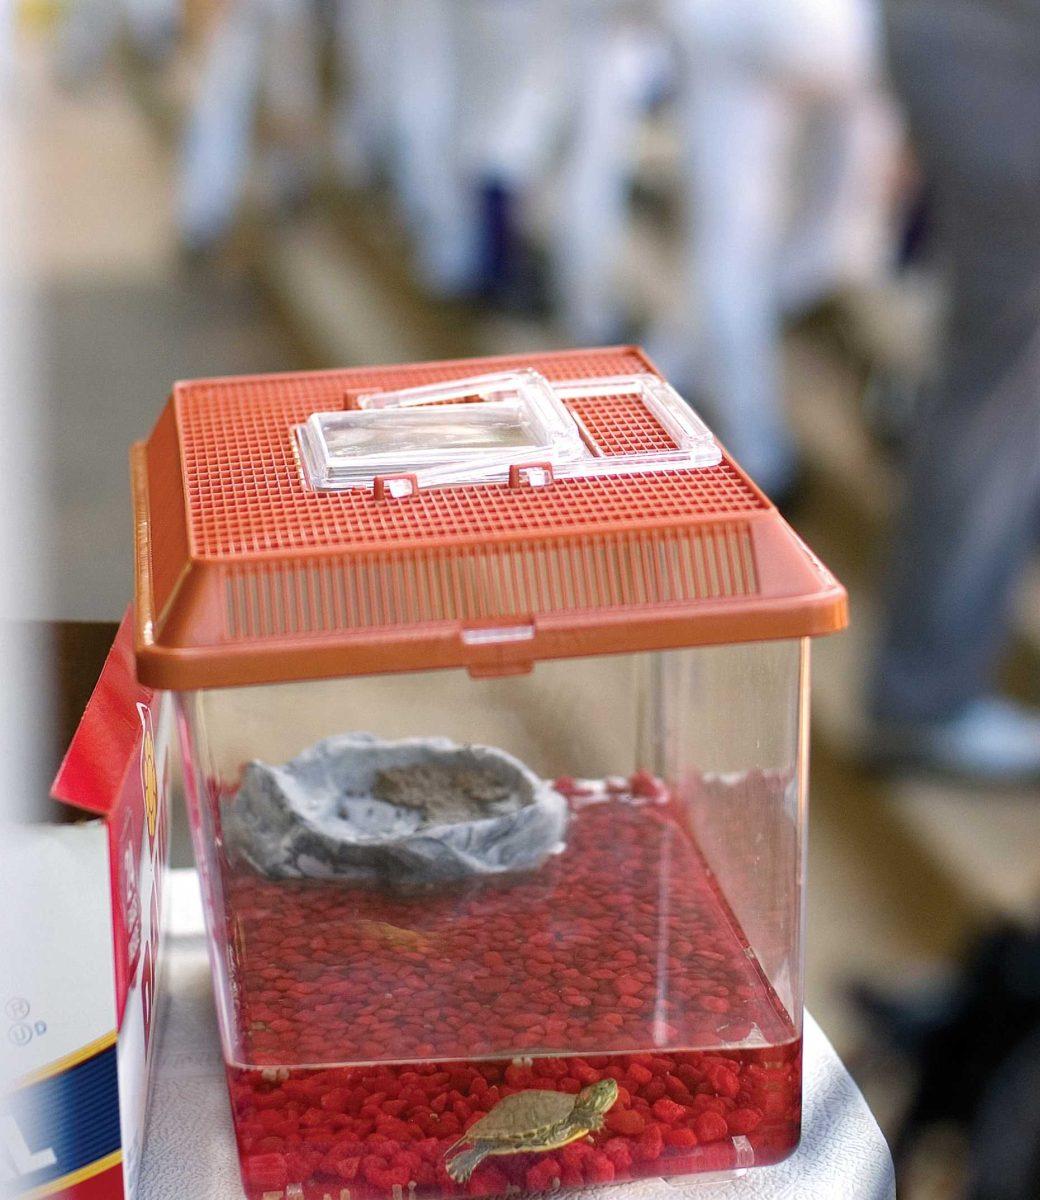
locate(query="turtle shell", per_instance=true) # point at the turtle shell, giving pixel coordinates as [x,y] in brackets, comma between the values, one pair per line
[522,1116]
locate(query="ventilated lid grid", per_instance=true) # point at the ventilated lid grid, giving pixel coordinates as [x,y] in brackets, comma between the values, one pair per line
[303,520]
[246,495]
[487,583]
[248,576]
[620,424]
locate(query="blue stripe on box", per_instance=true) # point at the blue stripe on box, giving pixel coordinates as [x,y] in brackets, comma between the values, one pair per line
[74,1113]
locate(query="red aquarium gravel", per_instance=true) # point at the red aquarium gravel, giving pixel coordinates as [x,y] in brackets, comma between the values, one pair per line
[379,1027]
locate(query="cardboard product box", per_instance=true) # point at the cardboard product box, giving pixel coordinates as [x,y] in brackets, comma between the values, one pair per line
[79,1000]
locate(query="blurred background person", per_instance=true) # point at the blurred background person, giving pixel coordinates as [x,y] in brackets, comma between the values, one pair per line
[425,172]
[475,89]
[362,117]
[968,72]
[619,64]
[260,55]
[512,76]
[91,29]
[784,143]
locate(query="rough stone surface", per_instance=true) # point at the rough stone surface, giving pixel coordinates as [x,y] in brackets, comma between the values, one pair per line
[445,792]
[351,807]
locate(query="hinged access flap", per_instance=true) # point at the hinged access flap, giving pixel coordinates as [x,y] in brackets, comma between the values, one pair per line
[470,431]
[478,430]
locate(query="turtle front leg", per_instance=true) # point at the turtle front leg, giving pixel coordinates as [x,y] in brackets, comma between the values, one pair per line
[462,1165]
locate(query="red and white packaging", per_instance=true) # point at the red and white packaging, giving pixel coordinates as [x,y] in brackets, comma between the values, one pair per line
[78,1008]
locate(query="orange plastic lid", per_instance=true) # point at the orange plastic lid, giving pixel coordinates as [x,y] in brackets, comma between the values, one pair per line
[246,573]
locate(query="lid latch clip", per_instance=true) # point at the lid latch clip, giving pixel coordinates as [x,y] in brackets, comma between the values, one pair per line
[533,475]
[395,487]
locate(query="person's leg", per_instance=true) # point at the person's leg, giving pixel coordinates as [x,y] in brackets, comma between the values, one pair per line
[514,69]
[973,476]
[511,89]
[737,129]
[438,204]
[365,88]
[842,232]
[292,100]
[614,66]
[216,147]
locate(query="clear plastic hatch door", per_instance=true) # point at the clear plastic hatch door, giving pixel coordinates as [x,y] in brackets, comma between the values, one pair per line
[476,430]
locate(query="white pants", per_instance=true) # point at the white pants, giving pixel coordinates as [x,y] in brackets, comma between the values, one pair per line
[787,145]
[90,27]
[256,47]
[477,100]
[364,118]
[615,64]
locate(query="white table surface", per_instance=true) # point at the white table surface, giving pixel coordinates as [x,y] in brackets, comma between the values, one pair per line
[190,1152]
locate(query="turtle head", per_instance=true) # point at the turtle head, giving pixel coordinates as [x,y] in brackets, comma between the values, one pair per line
[598,1098]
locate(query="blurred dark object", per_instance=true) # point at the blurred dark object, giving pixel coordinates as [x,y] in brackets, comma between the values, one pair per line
[917,226]
[1005,1139]
[892,398]
[75,652]
[890,401]
[795,497]
[975,1048]
[65,658]
[510,278]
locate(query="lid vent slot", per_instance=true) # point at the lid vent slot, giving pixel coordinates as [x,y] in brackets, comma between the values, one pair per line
[503,583]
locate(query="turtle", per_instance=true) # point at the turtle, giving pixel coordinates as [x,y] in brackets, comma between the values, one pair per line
[533,1120]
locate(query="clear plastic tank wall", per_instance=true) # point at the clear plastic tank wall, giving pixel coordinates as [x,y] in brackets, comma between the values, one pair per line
[571,716]
[722,725]
[732,738]
[577,717]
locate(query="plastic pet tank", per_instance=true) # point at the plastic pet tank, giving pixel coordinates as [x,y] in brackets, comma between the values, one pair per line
[493,688]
